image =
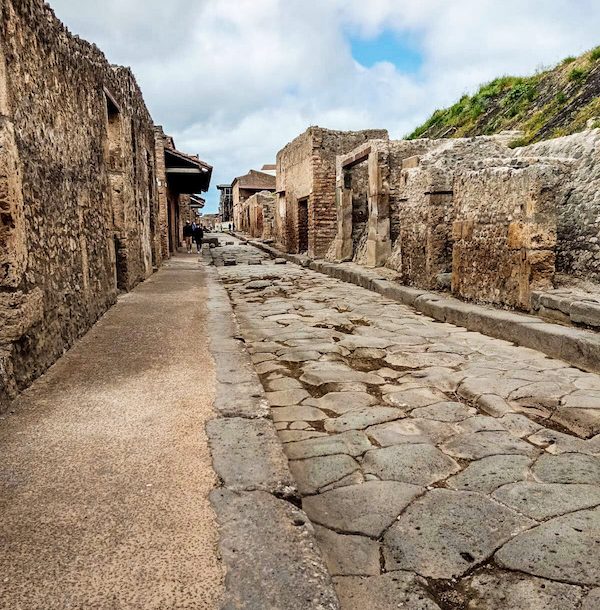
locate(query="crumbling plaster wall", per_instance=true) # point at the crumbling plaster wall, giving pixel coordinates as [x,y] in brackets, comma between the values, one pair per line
[61,229]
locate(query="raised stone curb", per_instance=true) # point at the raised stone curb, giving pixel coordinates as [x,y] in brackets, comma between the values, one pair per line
[268,545]
[578,347]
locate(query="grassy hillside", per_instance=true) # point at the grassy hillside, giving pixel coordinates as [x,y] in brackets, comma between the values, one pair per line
[549,104]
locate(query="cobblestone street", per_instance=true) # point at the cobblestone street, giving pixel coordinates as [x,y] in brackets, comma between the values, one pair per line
[440,468]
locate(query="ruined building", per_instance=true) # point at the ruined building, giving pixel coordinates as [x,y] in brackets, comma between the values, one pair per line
[257,215]
[88,189]
[305,215]
[242,188]
[225,202]
[492,223]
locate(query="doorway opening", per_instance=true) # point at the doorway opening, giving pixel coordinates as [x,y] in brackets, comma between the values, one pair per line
[303,225]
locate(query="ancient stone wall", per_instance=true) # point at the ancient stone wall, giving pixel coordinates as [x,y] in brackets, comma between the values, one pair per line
[578,240]
[422,209]
[77,207]
[505,230]
[261,208]
[306,173]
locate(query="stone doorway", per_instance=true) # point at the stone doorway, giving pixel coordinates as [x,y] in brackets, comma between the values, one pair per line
[303,225]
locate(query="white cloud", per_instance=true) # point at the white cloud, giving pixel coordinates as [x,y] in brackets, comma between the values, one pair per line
[234,80]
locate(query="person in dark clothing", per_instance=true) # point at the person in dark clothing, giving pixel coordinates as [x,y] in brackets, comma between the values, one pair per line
[198,236]
[188,234]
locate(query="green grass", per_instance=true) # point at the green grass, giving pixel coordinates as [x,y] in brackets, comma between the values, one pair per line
[529,104]
[577,75]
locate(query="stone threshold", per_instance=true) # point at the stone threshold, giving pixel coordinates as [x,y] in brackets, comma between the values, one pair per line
[578,347]
[267,543]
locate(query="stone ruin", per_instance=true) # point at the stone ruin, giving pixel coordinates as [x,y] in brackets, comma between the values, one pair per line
[305,217]
[491,222]
[257,214]
[89,189]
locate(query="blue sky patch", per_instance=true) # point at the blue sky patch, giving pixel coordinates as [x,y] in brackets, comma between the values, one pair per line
[388,46]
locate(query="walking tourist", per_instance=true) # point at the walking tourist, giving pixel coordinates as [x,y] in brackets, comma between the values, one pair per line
[198,235]
[188,234]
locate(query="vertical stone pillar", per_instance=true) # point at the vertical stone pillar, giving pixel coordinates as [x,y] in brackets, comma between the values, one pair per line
[379,247]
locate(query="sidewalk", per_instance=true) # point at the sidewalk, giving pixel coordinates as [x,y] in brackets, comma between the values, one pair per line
[105,470]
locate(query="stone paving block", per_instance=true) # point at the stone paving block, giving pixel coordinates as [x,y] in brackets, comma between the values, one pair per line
[543,500]
[591,601]
[346,554]
[233,367]
[315,473]
[369,508]
[342,402]
[477,445]
[266,545]
[291,436]
[321,373]
[568,468]
[410,431]
[489,473]
[384,592]
[446,533]
[415,398]
[362,418]
[286,398]
[297,413]
[558,442]
[241,400]
[247,455]
[566,548]
[495,590]
[352,443]
[451,412]
[418,464]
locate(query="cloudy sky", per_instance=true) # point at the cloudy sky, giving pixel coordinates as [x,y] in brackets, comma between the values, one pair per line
[235,80]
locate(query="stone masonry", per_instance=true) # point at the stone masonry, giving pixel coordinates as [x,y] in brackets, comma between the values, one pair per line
[441,468]
[305,219]
[469,213]
[80,215]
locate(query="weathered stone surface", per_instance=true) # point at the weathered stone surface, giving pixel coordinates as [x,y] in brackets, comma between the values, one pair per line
[445,533]
[343,402]
[491,590]
[318,374]
[267,546]
[591,602]
[300,356]
[489,473]
[410,431]
[247,455]
[258,284]
[315,473]
[543,500]
[352,443]
[414,398]
[384,592]
[284,383]
[445,411]
[291,436]
[419,464]
[297,413]
[477,445]
[566,548]
[362,418]
[366,509]
[348,555]
[568,468]
[287,398]
[241,400]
